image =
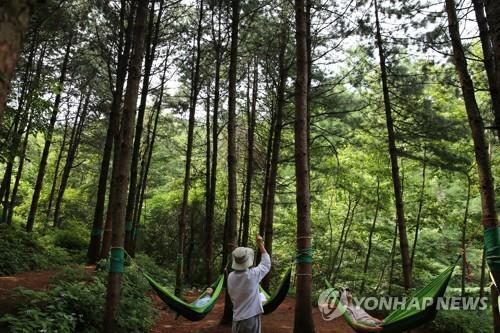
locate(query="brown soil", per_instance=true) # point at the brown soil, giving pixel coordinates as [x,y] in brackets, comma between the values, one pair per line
[38,281]
[280,321]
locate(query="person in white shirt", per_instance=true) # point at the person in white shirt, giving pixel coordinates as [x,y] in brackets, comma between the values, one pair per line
[205,299]
[243,288]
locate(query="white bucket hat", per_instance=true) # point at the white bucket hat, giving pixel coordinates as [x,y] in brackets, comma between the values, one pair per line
[242,258]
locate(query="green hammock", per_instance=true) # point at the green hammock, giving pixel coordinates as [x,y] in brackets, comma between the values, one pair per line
[279,295]
[405,319]
[187,310]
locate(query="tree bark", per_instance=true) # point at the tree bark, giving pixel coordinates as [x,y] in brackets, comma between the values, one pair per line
[179,274]
[273,171]
[250,151]
[215,131]
[145,168]
[232,168]
[341,238]
[68,165]
[393,254]
[391,139]
[121,169]
[370,239]
[419,213]
[14,23]
[59,159]
[125,41]
[464,235]
[344,242]
[489,214]
[493,17]
[48,139]
[151,43]
[29,101]
[303,321]
[488,61]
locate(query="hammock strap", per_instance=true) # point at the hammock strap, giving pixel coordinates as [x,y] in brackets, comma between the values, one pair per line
[116,260]
[97,232]
[304,256]
[492,248]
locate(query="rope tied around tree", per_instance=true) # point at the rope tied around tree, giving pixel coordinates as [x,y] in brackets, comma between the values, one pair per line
[116,259]
[179,258]
[304,256]
[492,248]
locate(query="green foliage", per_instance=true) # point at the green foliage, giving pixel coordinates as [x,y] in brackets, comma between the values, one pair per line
[23,251]
[463,322]
[76,304]
[20,251]
[73,237]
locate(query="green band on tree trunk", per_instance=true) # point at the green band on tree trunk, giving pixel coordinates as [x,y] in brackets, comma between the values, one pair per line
[179,259]
[492,248]
[304,256]
[116,260]
[128,226]
[97,232]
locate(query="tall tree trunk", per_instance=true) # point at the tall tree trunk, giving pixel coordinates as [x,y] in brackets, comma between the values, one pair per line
[493,17]
[370,239]
[29,101]
[121,170]
[232,169]
[393,255]
[208,153]
[48,139]
[215,143]
[147,162]
[273,172]
[265,187]
[419,213]
[303,322]
[341,238]
[251,129]
[344,242]
[488,208]
[17,127]
[391,138]
[14,23]
[464,237]
[483,275]
[151,43]
[189,152]
[489,63]
[95,249]
[59,159]
[72,151]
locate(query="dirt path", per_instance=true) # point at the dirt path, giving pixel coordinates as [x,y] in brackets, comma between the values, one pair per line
[38,281]
[280,321]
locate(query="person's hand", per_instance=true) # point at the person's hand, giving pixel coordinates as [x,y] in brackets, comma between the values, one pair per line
[259,239]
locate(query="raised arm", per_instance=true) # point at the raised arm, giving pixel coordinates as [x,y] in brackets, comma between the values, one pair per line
[265,261]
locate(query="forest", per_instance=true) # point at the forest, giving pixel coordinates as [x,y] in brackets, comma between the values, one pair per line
[143,141]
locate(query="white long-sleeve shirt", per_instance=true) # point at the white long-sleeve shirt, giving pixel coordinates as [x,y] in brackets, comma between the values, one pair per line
[243,288]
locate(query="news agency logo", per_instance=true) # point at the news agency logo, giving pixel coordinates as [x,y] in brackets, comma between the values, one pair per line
[326,304]
[329,298]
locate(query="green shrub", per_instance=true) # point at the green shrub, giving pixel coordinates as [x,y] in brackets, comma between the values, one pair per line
[76,303]
[462,322]
[74,237]
[20,251]
[23,251]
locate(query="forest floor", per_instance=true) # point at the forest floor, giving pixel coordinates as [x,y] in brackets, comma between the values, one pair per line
[280,321]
